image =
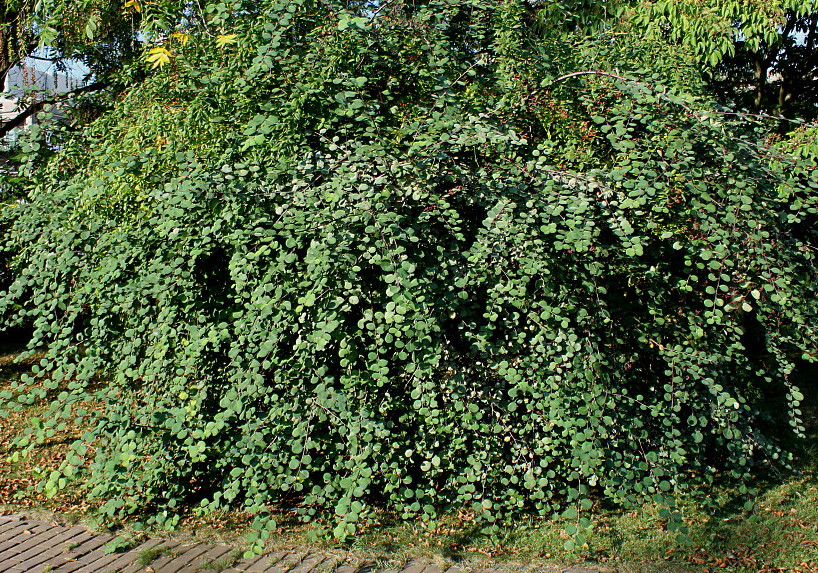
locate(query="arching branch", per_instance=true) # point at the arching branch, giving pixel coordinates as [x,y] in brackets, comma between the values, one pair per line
[37,106]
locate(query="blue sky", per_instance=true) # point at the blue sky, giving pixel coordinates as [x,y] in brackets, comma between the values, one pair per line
[75,69]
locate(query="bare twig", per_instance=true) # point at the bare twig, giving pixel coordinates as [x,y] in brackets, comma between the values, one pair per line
[381,7]
[593,73]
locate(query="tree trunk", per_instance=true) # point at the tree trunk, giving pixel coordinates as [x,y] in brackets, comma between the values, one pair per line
[761,79]
[13,45]
[38,105]
[5,28]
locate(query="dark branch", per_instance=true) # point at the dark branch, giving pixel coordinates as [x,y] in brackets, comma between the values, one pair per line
[37,106]
[42,59]
[592,73]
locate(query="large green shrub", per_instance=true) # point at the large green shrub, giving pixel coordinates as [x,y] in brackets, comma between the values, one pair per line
[359,260]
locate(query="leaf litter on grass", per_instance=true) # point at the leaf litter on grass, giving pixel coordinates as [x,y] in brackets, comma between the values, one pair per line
[21,473]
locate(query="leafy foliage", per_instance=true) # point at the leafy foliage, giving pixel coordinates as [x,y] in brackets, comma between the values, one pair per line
[94,32]
[760,56]
[414,256]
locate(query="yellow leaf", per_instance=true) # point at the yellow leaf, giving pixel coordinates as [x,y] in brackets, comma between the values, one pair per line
[158,57]
[133,4]
[182,37]
[225,39]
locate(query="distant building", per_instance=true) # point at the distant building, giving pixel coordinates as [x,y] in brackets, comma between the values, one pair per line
[24,79]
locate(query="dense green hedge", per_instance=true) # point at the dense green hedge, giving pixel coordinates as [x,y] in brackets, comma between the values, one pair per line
[352,262]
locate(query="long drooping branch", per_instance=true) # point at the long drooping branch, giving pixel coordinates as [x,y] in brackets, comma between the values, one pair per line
[38,105]
[15,35]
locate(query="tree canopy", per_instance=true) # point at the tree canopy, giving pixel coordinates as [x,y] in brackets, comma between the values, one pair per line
[414,256]
[762,56]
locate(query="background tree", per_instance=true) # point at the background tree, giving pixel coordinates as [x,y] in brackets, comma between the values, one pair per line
[99,36]
[762,56]
[15,40]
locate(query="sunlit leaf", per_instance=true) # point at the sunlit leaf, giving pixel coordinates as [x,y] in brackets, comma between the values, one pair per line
[158,57]
[224,39]
[181,37]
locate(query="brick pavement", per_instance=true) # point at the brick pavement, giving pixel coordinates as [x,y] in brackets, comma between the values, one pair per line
[31,546]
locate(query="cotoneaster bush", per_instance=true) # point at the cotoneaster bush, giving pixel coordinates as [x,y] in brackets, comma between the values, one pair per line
[340,260]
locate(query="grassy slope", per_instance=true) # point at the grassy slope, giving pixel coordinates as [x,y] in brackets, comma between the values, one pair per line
[782,535]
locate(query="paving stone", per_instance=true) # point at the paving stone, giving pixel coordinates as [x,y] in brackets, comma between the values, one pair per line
[73,565]
[11,525]
[138,553]
[30,537]
[183,556]
[243,565]
[10,517]
[257,563]
[232,570]
[104,564]
[33,527]
[6,516]
[111,563]
[28,546]
[129,558]
[54,546]
[12,532]
[135,556]
[263,563]
[167,552]
[310,563]
[86,553]
[92,544]
[58,535]
[212,554]
[30,529]
[58,555]
[288,562]
[71,545]
[416,566]
[331,563]
[90,561]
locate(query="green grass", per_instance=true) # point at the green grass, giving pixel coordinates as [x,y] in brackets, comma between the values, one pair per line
[219,565]
[780,535]
[148,556]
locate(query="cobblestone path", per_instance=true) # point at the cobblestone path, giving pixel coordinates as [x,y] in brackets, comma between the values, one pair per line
[31,546]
